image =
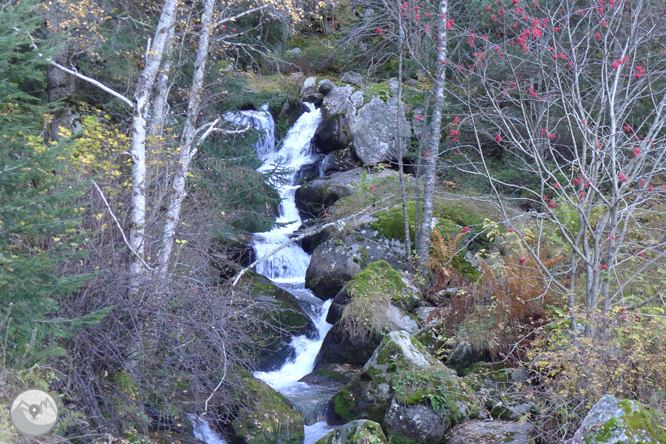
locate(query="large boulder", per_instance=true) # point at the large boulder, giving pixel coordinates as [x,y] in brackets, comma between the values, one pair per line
[413,395]
[267,418]
[338,161]
[332,133]
[355,432]
[332,265]
[315,196]
[611,421]
[379,276]
[339,346]
[283,319]
[336,261]
[352,78]
[373,129]
[491,432]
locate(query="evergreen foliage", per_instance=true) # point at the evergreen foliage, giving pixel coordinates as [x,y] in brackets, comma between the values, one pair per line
[38,222]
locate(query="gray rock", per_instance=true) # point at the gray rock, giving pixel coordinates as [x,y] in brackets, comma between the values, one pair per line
[337,101]
[295,50]
[309,87]
[411,82]
[373,130]
[613,422]
[491,432]
[337,161]
[353,78]
[418,423]
[294,76]
[314,197]
[331,267]
[371,395]
[339,347]
[325,86]
[356,432]
[333,130]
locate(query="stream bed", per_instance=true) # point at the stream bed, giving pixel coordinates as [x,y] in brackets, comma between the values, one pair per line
[287,268]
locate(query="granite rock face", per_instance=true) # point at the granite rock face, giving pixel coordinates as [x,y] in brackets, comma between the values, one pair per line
[373,130]
[352,78]
[611,421]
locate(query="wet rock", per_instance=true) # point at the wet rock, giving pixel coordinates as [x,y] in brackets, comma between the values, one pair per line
[338,161]
[414,396]
[613,421]
[268,417]
[283,318]
[355,432]
[352,78]
[307,173]
[325,86]
[315,196]
[373,130]
[331,374]
[491,432]
[230,255]
[332,133]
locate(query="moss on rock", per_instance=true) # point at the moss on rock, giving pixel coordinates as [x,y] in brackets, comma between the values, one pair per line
[268,418]
[355,432]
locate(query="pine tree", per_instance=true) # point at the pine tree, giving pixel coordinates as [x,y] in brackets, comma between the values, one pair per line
[38,220]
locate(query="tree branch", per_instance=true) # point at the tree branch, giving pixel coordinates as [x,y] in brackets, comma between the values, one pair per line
[94,82]
[119,227]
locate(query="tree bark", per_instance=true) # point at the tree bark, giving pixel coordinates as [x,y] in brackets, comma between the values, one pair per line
[138,149]
[423,245]
[401,151]
[188,147]
[159,102]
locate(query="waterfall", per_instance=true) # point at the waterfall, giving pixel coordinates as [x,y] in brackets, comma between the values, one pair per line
[287,267]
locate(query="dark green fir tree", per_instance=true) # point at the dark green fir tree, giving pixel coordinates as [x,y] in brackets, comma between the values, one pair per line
[38,220]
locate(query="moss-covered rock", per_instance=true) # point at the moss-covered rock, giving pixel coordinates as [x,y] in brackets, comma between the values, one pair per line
[315,196]
[611,421]
[283,318]
[377,277]
[355,432]
[331,374]
[268,418]
[414,396]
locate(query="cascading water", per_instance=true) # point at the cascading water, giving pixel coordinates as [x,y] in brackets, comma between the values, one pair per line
[287,267]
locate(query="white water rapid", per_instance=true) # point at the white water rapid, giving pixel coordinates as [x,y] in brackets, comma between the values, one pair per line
[287,267]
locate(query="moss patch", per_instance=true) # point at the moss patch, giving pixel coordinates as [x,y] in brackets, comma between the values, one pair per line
[269,418]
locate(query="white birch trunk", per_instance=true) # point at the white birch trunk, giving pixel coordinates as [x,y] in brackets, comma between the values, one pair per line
[423,243]
[138,150]
[157,110]
[188,147]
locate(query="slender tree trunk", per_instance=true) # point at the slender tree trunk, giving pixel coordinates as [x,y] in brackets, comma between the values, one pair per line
[188,147]
[138,150]
[417,176]
[401,153]
[423,245]
[157,110]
